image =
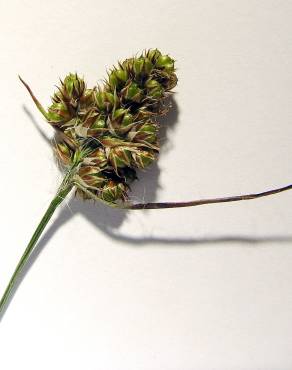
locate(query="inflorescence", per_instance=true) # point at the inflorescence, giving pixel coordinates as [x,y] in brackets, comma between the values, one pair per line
[111,130]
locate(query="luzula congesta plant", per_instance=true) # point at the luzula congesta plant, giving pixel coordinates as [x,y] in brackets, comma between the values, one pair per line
[107,133]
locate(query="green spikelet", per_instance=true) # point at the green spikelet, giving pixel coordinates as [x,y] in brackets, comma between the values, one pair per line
[71,97]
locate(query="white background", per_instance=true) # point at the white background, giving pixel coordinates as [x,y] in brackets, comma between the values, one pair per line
[198,288]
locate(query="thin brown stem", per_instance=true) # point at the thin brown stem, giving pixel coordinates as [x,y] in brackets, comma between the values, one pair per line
[192,203]
[200,202]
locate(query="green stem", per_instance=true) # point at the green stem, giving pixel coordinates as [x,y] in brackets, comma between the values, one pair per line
[62,192]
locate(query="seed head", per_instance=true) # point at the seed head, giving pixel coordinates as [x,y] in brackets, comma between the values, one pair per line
[110,131]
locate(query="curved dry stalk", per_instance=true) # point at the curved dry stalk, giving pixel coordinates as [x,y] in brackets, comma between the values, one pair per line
[193,203]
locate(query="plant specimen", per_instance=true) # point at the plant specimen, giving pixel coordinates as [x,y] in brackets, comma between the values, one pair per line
[105,134]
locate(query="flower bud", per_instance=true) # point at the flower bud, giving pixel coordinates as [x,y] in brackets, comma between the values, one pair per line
[154,89]
[153,55]
[128,64]
[138,65]
[142,66]
[113,191]
[98,124]
[119,114]
[148,66]
[106,101]
[145,133]
[74,86]
[63,152]
[59,113]
[127,120]
[122,75]
[89,118]
[118,78]
[150,132]
[87,99]
[133,92]
[97,158]
[92,176]
[165,62]
[142,158]
[119,157]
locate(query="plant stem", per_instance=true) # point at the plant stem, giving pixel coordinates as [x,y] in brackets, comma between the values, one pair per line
[201,202]
[192,203]
[62,192]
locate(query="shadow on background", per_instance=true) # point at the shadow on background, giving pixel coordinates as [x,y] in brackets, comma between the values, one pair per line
[109,220]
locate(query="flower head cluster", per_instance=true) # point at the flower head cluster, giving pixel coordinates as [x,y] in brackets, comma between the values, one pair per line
[112,130]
